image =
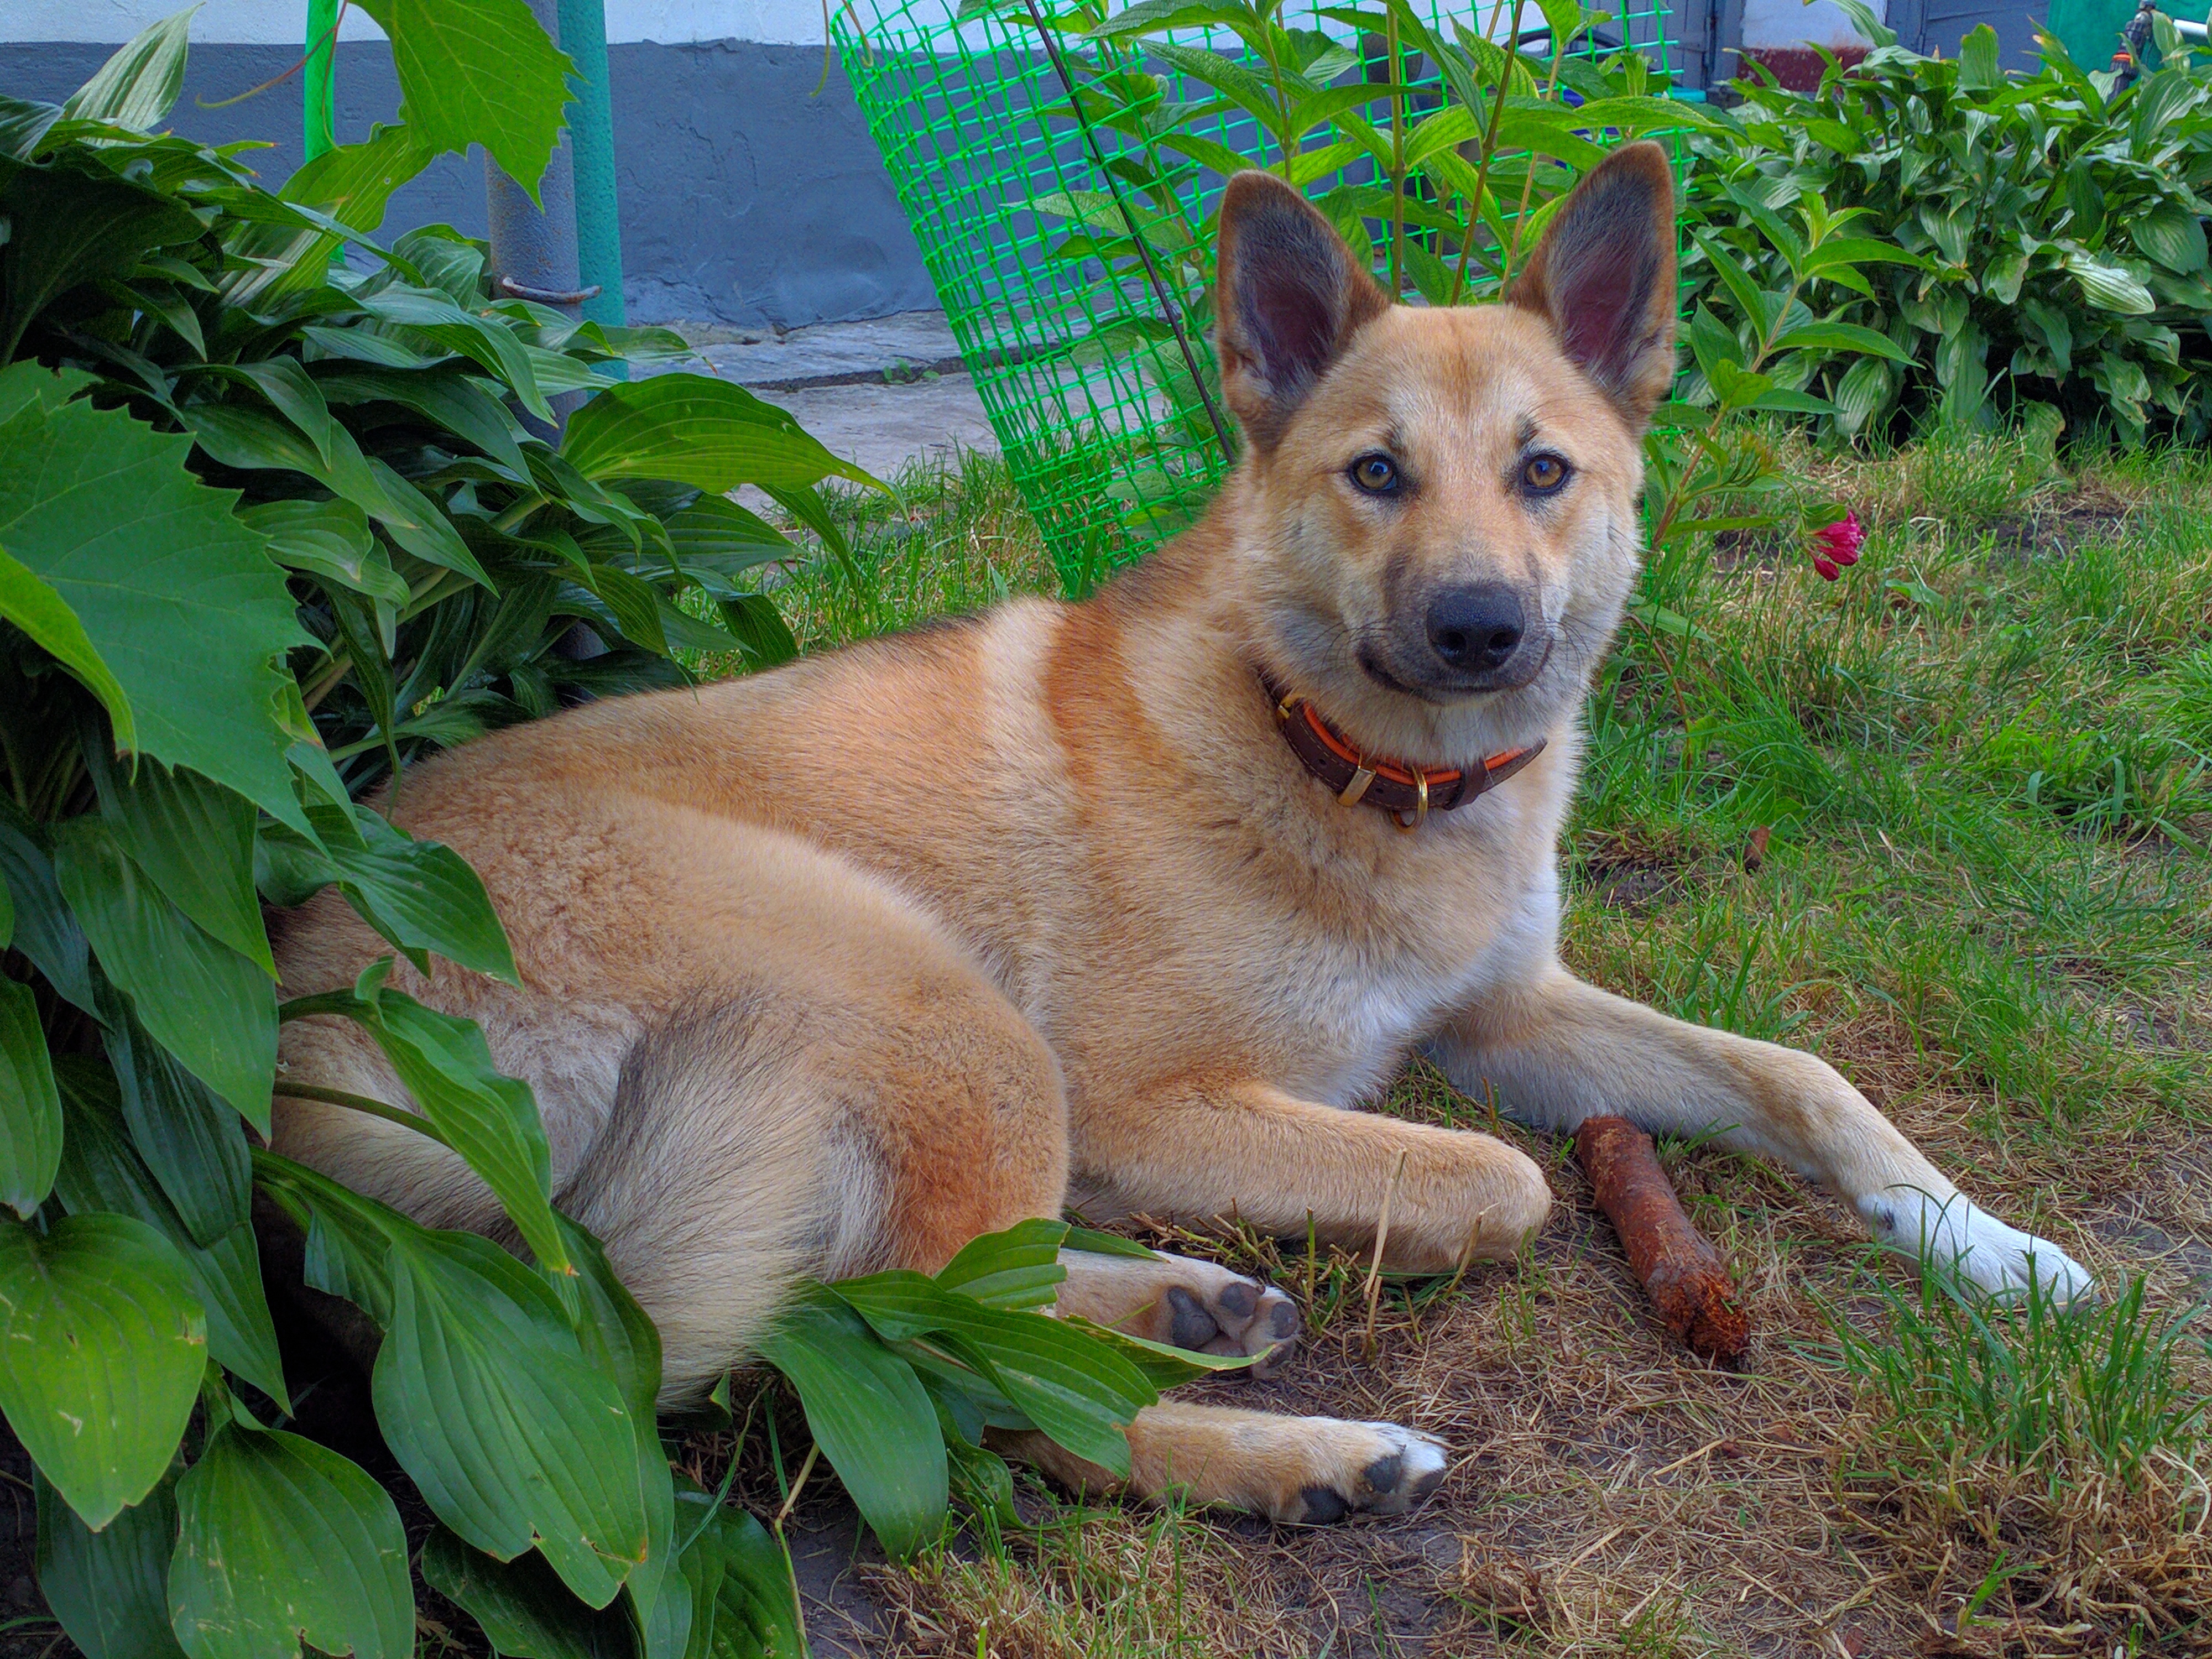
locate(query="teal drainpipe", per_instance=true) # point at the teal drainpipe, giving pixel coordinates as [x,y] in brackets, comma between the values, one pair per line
[591,137]
[583,36]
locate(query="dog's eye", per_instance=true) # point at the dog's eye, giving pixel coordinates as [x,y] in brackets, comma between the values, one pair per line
[1375,474]
[1542,475]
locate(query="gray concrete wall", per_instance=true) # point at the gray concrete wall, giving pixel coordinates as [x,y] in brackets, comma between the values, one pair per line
[746,198]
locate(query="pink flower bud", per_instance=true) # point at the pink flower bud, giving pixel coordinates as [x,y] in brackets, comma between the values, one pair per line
[1838,544]
[1827,568]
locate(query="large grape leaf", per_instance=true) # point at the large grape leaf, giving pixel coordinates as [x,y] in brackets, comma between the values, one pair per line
[478,71]
[180,600]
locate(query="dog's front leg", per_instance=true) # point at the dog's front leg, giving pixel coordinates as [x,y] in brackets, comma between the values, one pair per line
[1198,1150]
[1558,1051]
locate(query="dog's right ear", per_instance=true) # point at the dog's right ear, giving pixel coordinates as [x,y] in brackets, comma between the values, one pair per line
[1287,300]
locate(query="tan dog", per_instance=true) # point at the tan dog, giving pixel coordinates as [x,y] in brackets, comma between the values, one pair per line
[832,968]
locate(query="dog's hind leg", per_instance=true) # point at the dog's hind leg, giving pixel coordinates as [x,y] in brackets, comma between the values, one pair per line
[837,1099]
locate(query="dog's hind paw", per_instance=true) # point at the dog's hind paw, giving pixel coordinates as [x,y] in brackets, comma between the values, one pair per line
[1964,1238]
[1186,1303]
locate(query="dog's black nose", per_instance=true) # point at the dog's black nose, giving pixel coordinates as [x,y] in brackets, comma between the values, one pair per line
[1475,629]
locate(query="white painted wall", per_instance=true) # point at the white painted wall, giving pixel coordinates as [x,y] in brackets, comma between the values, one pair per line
[1795,23]
[277,22]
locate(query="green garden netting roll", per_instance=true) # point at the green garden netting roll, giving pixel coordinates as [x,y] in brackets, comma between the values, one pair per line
[1067,235]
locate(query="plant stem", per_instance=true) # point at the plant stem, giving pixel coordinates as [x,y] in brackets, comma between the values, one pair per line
[1481,185]
[1681,702]
[414,1120]
[1397,157]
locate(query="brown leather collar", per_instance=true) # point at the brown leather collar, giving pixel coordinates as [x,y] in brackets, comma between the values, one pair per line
[1405,791]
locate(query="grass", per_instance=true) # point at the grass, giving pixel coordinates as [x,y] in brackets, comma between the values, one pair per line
[1944,821]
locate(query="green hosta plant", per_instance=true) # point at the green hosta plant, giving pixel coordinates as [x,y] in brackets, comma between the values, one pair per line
[270,527]
[2055,222]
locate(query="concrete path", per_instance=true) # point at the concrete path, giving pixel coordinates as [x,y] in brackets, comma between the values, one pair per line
[881,392]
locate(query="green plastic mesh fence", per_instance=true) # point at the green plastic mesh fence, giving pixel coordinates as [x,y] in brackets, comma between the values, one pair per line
[1059,167]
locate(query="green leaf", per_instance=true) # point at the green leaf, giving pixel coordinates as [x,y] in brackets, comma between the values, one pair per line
[191,1140]
[491,1119]
[420,894]
[1863,392]
[1978,70]
[45,930]
[331,541]
[491,1405]
[1017,1268]
[44,617]
[2171,235]
[281,1540]
[481,72]
[110,1589]
[349,185]
[695,429]
[526,1611]
[136,86]
[868,1413]
[72,223]
[254,439]
[447,398]
[1841,337]
[755,1613]
[486,339]
[30,1106]
[212,1008]
[101,1170]
[101,508]
[102,1345]
[195,839]
[2106,286]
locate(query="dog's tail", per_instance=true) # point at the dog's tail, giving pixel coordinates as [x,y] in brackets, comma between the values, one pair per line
[726,1173]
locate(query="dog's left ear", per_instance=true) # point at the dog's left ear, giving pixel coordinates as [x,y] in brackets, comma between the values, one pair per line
[1604,277]
[1287,300]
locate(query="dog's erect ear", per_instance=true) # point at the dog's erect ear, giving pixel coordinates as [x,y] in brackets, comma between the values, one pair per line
[1604,276]
[1287,301]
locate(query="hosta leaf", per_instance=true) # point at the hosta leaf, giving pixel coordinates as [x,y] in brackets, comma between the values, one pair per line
[329,540]
[491,1119]
[2171,235]
[101,1170]
[110,1589]
[102,1345]
[101,507]
[477,72]
[280,1539]
[136,86]
[45,930]
[210,1007]
[1862,393]
[420,894]
[191,1139]
[2107,287]
[195,839]
[447,398]
[1017,1268]
[755,1614]
[695,429]
[869,1414]
[1841,337]
[71,222]
[489,1402]
[526,1610]
[487,340]
[30,1106]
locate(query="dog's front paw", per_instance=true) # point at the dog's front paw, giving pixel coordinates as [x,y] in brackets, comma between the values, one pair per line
[1355,1468]
[1964,1238]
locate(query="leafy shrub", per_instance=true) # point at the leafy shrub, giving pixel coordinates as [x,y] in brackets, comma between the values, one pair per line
[270,527]
[2053,220]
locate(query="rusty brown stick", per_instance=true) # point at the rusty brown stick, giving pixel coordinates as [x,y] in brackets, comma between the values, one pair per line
[1677,1267]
